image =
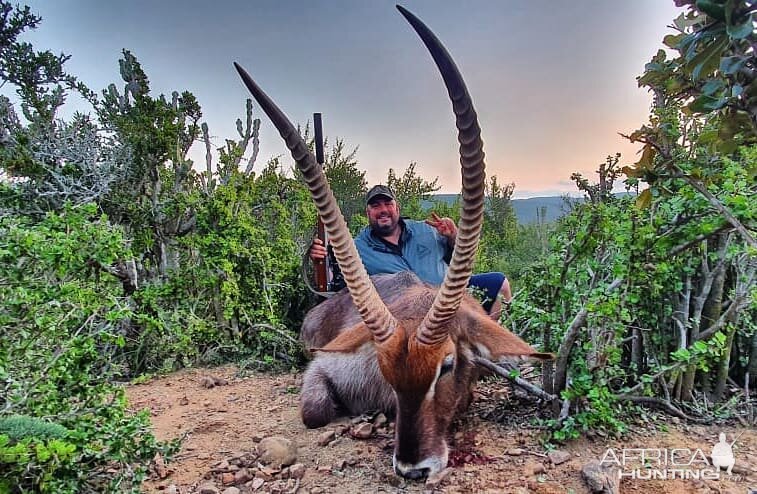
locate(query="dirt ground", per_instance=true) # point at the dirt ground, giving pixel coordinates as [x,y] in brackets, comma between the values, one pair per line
[223,415]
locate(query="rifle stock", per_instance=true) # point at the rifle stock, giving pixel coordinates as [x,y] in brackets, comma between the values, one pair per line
[320,267]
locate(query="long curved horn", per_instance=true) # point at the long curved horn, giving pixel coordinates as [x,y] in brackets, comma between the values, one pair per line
[449,296]
[372,309]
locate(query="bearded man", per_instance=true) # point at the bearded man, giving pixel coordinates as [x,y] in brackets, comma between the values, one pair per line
[391,244]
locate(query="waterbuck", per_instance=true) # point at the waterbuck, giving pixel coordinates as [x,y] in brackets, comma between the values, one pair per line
[393,343]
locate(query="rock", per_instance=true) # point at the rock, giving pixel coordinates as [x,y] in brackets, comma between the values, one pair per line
[172,489]
[277,451]
[326,437]
[208,488]
[536,469]
[514,452]
[222,466]
[183,401]
[208,382]
[160,466]
[297,471]
[600,479]
[231,490]
[558,457]
[266,473]
[227,478]
[220,381]
[439,477]
[257,483]
[242,476]
[380,420]
[362,431]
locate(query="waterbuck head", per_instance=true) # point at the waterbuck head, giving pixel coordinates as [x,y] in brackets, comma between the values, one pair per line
[426,339]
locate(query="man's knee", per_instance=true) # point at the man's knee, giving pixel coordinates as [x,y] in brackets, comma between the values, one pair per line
[505,291]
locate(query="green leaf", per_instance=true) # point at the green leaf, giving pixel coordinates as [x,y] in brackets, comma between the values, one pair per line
[672,40]
[731,65]
[711,8]
[708,60]
[705,104]
[740,31]
[712,86]
[644,199]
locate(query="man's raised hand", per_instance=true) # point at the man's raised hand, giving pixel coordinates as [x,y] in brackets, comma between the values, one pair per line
[445,226]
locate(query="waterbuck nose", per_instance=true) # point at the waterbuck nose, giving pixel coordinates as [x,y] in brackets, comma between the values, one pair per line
[413,473]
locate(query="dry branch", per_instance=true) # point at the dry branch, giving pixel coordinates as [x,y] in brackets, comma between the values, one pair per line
[504,371]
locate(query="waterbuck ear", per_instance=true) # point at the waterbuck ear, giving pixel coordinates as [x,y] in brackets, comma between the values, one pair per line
[348,341]
[492,341]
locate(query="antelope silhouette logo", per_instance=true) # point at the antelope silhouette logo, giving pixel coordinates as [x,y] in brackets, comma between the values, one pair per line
[722,454]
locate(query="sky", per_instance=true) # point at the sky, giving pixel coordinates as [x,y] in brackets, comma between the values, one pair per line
[553,81]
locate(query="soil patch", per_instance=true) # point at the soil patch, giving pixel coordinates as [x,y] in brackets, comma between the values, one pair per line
[223,415]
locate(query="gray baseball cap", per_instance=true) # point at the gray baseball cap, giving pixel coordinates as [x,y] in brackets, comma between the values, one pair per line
[379,190]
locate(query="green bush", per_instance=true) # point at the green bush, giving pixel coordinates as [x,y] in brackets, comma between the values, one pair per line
[64,426]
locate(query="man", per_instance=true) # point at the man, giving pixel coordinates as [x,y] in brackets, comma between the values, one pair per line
[390,244]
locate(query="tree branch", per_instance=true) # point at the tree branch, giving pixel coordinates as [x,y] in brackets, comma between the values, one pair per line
[504,371]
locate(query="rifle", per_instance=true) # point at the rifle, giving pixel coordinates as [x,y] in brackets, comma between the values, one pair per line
[321,267]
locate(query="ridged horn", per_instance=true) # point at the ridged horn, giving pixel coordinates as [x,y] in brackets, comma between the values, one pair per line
[450,294]
[372,309]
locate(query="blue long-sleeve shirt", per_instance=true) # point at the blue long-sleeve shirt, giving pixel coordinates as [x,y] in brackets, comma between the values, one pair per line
[421,250]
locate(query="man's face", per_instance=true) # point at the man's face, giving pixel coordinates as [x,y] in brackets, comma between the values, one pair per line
[383,215]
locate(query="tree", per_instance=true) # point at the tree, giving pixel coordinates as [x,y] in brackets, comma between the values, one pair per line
[411,190]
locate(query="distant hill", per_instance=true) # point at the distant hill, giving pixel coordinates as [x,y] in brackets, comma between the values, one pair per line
[525,209]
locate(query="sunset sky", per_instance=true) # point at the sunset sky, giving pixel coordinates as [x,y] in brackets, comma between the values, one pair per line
[553,82]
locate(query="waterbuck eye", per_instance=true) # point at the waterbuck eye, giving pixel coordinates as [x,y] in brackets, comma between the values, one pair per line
[447,364]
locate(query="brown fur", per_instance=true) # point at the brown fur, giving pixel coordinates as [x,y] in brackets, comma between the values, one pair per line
[352,374]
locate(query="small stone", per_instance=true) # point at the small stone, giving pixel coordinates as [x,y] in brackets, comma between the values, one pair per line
[208,488]
[316,490]
[257,483]
[326,437]
[222,466]
[183,401]
[558,457]
[266,473]
[379,420]
[208,382]
[160,466]
[220,381]
[297,471]
[172,489]
[439,477]
[277,451]
[227,478]
[600,479]
[515,452]
[242,476]
[231,490]
[536,469]
[362,431]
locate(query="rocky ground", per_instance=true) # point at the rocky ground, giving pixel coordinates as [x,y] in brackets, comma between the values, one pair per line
[242,434]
